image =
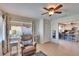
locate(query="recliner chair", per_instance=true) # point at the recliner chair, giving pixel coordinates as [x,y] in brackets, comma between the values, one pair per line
[28,48]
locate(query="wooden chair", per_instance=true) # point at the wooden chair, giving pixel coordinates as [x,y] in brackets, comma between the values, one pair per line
[13,43]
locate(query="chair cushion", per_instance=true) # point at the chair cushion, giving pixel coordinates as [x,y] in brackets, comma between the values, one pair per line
[28,49]
[26,43]
[26,37]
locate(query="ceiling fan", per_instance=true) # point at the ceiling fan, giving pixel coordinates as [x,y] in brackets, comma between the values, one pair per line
[53,10]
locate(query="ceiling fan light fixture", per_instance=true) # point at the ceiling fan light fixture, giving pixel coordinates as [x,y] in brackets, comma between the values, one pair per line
[51,10]
[51,13]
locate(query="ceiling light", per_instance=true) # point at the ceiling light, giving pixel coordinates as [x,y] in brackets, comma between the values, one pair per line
[51,13]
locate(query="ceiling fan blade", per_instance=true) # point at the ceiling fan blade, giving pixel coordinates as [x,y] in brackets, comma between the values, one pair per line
[58,6]
[59,12]
[46,8]
[44,13]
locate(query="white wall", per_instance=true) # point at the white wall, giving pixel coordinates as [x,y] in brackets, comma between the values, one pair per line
[47,30]
[43,28]
[36,26]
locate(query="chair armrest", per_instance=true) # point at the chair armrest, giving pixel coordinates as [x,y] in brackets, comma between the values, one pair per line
[34,44]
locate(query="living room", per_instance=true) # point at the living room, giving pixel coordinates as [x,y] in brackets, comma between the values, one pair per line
[43,29]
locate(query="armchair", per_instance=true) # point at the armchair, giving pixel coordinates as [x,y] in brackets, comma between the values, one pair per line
[28,48]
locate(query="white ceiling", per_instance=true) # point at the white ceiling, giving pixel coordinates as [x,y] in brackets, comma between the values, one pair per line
[34,10]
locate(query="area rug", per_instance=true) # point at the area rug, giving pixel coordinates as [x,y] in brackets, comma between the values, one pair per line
[40,53]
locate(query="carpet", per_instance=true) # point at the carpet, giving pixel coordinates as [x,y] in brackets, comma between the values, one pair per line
[40,53]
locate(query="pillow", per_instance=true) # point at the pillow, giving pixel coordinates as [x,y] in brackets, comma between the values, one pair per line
[29,42]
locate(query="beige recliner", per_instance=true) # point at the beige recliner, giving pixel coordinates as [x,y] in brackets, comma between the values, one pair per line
[28,49]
